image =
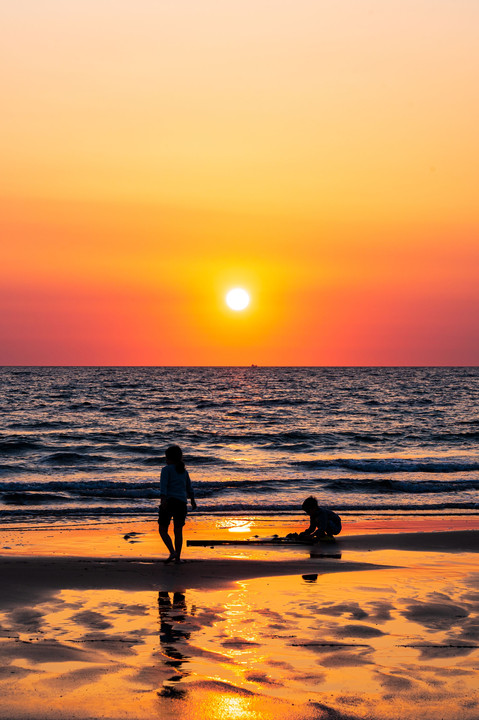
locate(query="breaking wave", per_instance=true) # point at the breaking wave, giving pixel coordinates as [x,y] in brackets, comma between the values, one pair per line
[392,465]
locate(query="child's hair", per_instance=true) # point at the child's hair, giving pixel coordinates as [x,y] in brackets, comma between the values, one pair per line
[175,454]
[309,504]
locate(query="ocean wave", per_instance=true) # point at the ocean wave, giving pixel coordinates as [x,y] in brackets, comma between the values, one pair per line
[118,443]
[95,490]
[73,458]
[216,488]
[369,437]
[40,425]
[266,436]
[400,486]
[155,461]
[278,402]
[193,459]
[391,465]
[85,489]
[12,469]
[115,411]
[253,495]
[12,446]
[206,460]
[150,510]
[140,490]
[406,507]
[85,406]
[298,446]
[135,449]
[456,436]
[206,404]
[31,498]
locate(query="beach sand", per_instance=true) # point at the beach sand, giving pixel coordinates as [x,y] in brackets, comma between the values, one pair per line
[94,625]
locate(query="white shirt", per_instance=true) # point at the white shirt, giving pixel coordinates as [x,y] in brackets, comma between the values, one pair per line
[174,484]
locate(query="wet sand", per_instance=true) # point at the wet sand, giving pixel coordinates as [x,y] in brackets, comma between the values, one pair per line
[389,629]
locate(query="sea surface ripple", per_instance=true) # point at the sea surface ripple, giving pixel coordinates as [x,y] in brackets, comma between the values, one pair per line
[89,442]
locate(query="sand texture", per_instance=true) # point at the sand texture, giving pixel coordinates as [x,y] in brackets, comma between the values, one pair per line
[390,629]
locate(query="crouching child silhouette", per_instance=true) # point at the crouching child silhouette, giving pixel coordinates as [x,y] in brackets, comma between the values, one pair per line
[324,523]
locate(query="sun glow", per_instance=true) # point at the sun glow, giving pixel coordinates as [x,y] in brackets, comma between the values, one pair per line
[237,299]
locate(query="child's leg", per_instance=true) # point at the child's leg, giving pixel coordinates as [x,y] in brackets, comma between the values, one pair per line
[178,539]
[163,530]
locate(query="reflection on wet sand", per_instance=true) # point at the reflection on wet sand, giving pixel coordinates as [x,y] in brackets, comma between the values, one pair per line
[172,614]
[382,644]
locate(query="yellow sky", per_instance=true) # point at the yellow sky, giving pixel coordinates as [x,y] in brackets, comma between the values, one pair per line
[324,154]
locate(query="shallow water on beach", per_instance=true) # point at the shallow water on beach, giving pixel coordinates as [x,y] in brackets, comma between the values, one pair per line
[400,642]
[86,443]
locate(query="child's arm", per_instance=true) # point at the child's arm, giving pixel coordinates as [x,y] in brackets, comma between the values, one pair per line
[164,484]
[310,529]
[190,492]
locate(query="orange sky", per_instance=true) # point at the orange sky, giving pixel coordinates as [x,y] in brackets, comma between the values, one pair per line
[322,154]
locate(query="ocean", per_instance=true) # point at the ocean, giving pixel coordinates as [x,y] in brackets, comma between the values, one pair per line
[88,443]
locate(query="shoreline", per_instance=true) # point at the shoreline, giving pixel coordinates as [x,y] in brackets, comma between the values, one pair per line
[140,537]
[225,565]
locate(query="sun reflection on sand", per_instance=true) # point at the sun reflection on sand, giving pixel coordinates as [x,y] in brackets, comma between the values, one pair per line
[383,643]
[230,707]
[238,525]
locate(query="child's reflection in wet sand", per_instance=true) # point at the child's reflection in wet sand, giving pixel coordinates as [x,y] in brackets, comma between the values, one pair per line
[172,614]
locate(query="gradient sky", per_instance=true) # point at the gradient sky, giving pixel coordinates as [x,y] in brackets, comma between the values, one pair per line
[323,154]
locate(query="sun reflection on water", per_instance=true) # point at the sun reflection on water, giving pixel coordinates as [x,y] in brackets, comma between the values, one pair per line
[231,707]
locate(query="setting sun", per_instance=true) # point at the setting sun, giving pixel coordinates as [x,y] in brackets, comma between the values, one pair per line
[237,299]
[239,359]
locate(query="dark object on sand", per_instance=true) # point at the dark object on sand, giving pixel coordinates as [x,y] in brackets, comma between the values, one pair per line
[130,537]
[291,539]
[310,578]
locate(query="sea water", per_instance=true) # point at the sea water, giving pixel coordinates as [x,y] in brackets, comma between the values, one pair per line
[88,443]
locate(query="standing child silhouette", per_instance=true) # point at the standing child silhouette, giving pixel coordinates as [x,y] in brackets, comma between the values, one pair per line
[175,489]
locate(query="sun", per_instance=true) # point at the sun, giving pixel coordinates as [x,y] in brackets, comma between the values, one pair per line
[237,299]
